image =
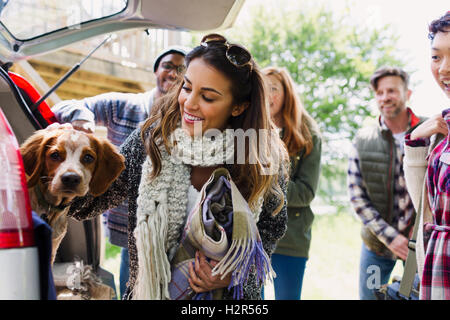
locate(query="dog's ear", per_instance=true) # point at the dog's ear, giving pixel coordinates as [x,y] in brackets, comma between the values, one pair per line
[32,151]
[110,163]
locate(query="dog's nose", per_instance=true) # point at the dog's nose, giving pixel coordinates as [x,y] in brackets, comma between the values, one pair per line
[70,179]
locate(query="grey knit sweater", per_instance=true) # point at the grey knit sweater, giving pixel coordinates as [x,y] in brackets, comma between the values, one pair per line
[271,228]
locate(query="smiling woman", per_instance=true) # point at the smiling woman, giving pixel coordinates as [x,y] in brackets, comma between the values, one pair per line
[222,89]
[427,168]
[440,53]
[206,97]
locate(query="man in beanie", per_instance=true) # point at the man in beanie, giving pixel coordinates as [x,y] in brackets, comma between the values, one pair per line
[121,114]
[168,65]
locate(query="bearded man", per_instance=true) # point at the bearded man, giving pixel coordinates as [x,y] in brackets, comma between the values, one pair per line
[376,181]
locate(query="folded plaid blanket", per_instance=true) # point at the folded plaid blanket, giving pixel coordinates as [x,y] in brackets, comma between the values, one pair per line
[223,227]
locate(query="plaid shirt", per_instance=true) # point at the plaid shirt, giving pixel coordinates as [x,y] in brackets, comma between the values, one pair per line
[121,114]
[436,273]
[403,207]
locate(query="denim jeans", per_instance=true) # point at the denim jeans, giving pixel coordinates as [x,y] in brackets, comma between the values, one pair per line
[374,271]
[289,281]
[124,271]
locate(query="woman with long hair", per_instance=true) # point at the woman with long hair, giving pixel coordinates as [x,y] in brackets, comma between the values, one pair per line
[169,159]
[301,136]
[427,171]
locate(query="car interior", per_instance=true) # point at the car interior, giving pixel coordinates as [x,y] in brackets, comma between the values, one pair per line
[17,105]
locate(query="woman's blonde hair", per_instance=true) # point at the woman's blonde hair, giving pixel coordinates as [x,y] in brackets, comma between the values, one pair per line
[247,87]
[297,121]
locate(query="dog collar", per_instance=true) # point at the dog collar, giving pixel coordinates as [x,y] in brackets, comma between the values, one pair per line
[45,204]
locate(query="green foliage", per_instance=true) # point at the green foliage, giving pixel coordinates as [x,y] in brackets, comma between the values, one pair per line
[111,251]
[331,60]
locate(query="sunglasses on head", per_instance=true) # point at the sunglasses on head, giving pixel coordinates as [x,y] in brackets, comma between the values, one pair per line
[237,55]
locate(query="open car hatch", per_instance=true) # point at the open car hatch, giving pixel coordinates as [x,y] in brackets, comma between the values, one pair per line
[32,27]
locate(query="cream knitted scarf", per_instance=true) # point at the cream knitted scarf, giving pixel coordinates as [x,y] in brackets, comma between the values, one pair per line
[162,203]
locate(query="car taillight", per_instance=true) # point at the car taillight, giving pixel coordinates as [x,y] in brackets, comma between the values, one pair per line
[16,227]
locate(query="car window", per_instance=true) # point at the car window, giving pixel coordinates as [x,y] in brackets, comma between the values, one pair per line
[26,19]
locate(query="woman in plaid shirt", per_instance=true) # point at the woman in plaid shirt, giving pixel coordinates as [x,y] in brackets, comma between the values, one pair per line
[422,161]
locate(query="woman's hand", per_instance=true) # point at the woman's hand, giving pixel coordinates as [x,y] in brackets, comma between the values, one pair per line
[200,277]
[435,124]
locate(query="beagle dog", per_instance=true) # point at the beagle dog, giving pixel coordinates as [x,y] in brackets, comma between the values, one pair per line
[62,164]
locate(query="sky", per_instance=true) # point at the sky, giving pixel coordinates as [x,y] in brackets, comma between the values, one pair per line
[409,20]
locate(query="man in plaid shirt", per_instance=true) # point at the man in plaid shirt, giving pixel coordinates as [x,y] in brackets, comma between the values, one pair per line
[121,114]
[376,181]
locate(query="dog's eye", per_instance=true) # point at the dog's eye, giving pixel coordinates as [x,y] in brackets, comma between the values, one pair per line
[55,156]
[88,158]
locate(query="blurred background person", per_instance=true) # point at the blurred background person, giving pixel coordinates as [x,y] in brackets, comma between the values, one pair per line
[301,136]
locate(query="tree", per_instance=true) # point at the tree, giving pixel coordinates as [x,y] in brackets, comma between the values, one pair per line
[331,60]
